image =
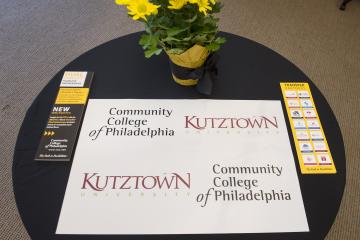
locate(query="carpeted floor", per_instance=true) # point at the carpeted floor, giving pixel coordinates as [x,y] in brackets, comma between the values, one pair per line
[38,38]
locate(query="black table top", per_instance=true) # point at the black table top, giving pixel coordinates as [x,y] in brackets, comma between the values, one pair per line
[247,70]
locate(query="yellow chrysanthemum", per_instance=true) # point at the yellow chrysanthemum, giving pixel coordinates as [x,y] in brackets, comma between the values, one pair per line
[177,4]
[204,5]
[122,2]
[141,8]
[197,1]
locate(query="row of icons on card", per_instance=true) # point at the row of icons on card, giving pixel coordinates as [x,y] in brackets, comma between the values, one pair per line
[322,159]
[295,94]
[295,103]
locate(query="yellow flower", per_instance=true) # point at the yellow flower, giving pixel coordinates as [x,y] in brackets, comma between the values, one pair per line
[177,4]
[196,1]
[122,2]
[204,6]
[141,8]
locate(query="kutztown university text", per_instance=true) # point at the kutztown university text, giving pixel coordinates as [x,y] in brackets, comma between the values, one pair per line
[226,185]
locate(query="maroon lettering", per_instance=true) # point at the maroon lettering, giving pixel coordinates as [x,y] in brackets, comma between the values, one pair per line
[186,183]
[232,122]
[123,186]
[165,180]
[188,122]
[137,181]
[87,181]
[210,122]
[274,123]
[114,181]
[256,122]
[222,123]
[242,120]
[198,124]
[98,182]
[153,183]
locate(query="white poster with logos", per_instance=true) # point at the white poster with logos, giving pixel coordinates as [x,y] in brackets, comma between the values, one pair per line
[182,167]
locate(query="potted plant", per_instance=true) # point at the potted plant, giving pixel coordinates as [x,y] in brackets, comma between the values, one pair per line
[187,31]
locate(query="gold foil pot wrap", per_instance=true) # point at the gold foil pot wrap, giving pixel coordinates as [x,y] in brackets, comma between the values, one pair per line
[194,57]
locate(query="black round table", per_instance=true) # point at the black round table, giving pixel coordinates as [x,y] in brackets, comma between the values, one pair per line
[247,70]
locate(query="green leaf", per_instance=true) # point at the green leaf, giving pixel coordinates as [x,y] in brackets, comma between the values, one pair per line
[151,52]
[186,39]
[145,41]
[217,7]
[163,26]
[191,20]
[175,51]
[168,39]
[148,29]
[220,40]
[199,39]
[175,31]
[213,47]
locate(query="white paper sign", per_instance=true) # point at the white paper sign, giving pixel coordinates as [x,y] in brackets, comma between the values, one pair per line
[182,167]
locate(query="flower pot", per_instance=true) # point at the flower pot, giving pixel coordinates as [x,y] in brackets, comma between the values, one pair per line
[184,66]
